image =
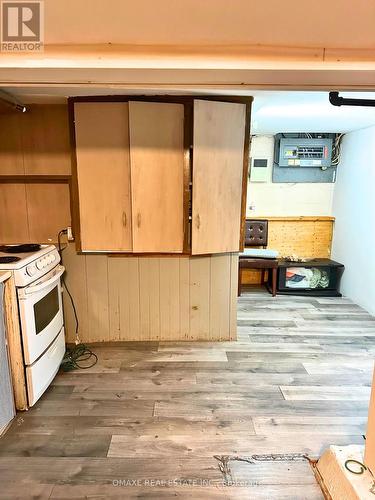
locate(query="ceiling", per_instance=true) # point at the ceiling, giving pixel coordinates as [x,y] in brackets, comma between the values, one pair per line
[275,112]
[340,23]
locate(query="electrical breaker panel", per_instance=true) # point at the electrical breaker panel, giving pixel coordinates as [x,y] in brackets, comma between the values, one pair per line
[304,152]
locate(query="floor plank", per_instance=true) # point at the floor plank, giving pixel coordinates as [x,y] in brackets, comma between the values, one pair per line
[157,414]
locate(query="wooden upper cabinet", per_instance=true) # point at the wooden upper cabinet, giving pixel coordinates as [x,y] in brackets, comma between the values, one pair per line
[45,140]
[218,164]
[157,168]
[103,175]
[11,155]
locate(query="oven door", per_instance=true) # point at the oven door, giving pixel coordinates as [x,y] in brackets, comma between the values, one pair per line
[41,313]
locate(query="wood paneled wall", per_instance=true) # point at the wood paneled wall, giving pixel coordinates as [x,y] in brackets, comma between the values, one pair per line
[33,212]
[35,142]
[302,236]
[151,298]
[34,174]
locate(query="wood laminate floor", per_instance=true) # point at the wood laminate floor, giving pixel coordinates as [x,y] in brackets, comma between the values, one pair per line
[200,420]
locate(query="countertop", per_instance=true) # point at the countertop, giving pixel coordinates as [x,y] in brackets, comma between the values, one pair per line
[4,275]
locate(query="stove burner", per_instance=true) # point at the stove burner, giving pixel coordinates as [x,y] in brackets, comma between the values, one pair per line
[8,260]
[25,248]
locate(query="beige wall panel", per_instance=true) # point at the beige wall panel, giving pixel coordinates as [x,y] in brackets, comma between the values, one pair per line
[103,171]
[13,214]
[118,293]
[11,156]
[149,295]
[219,136]
[141,298]
[76,279]
[157,162]
[220,297]
[97,298]
[184,263]
[134,302]
[169,298]
[233,297]
[200,272]
[45,138]
[48,207]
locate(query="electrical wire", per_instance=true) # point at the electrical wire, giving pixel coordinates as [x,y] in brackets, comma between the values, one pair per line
[77,355]
[336,149]
[80,353]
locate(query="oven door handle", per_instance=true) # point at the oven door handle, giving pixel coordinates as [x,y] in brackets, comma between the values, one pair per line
[37,288]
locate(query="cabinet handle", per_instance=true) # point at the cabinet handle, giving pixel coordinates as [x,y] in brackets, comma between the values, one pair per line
[124,219]
[139,220]
[198,221]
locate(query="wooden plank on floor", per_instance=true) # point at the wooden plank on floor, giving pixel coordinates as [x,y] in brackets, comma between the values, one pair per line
[314,425]
[332,393]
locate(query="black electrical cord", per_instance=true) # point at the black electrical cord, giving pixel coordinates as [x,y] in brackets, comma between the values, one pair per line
[77,355]
[80,353]
[362,467]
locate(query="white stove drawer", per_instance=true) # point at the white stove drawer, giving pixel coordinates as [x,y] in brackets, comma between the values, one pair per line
[40,374]
[41,313]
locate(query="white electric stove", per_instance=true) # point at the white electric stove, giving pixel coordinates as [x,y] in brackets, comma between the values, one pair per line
[37,274]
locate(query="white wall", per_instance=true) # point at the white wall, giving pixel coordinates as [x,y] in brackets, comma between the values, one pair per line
[284,199]
[354,209]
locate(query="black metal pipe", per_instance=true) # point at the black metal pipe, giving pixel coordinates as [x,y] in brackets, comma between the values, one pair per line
[336,100]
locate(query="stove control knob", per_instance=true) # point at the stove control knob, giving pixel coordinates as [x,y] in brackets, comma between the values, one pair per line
[31,270]
[53,257]
[40,264]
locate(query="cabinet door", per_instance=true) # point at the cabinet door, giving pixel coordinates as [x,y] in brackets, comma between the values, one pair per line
[103,175]
[14,226]
[54,196]
[45,139]
[218,159]
[11,157]
[157,161]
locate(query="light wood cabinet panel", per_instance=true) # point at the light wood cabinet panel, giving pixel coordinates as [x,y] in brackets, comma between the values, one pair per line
[13,214]
[11,156]
[48,207]
[45,140]
[219,139]
[103,174]
[157,166]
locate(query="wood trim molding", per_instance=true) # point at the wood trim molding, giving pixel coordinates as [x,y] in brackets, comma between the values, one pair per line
[13,333]
[35,179]
[74,191]
[293,218]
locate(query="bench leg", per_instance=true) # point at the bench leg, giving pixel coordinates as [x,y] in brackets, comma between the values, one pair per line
[262,275]
[274,281]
